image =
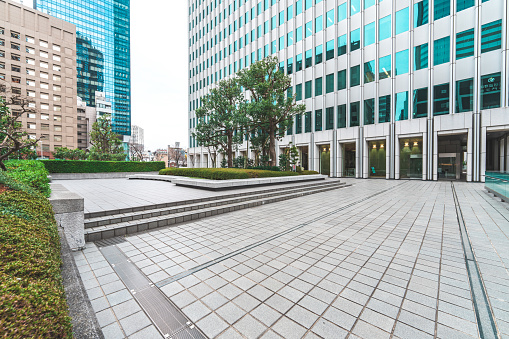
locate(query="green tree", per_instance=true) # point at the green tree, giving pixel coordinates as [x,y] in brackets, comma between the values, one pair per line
[106,145]
[220,115]
[14,141]
[294,155]
[270,108]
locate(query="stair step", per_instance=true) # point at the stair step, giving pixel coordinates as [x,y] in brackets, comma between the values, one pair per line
[92,215]
[135,226]
[145,214]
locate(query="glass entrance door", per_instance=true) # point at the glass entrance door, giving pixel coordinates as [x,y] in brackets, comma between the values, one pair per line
[325,159]
[349,160]
[448,166]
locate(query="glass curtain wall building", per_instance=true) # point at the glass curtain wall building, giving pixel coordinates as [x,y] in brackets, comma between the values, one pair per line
[103,51]
[393,89]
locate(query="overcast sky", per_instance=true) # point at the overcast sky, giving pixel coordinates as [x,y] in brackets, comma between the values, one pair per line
[159,66]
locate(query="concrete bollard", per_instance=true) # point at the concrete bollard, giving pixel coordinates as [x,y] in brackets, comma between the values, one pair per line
[69,213]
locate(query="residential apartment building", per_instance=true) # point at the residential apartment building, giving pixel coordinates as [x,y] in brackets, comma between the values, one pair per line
[103,52]
[393,89]
[38,61]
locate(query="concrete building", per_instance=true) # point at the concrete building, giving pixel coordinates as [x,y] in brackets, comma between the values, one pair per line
[38,60]
[138,136]
[393,89]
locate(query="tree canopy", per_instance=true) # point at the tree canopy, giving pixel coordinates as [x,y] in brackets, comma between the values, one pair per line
[106,144]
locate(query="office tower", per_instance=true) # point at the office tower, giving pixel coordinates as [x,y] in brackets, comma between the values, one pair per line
[103,52]
[392,89]
[38,61]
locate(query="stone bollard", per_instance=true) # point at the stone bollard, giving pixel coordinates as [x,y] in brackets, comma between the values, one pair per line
[69,213]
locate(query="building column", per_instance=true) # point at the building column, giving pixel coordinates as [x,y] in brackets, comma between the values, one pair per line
[334,154]
[392,145]
[474,154]
[311,151]
[502,144]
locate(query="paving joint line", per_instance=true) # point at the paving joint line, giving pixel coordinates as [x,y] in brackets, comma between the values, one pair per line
[483,311]
[198,268]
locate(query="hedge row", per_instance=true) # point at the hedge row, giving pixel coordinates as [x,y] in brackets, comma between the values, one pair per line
[30,172]
[89,166]
[32,298]
[223,173]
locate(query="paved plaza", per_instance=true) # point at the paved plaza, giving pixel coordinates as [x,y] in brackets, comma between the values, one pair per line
[378,259]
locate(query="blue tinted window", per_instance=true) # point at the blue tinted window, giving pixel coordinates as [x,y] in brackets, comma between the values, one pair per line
[289,13]
[309,29]
[441,51]
[330,18]
[281,18]
[274,47]
[384,67]
[354,114]
[309,58]
[298,7]
[355,76]
[441,99]
[402,21]
[318,86]
[368,3]
[319,24]
[341,116]
[290,39]
[298,62]
[318,119]
[281,43]
[329,83]
[401,106]
[318,54]
[355,39]
[401,62]
[384,109]
[420,103]
[491,36]
[342,12]
[342,44]
[298,34]
[465,44]
[289,66]
[308,4]
[421,57]
[355,7]
[442,8]
[464,95]
[369,111]
[385,28]
[490,91]
[329,49]
[369,71]
[421,13]
[464,4]
[369,34]
[342,79]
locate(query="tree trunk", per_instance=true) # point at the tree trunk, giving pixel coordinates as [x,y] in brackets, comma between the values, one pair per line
[230,149]
[272,146]
[2,166]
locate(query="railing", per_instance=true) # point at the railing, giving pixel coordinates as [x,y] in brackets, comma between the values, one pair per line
[498,184]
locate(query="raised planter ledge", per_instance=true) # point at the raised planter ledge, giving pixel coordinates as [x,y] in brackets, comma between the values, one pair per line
[82,176]
[69,213]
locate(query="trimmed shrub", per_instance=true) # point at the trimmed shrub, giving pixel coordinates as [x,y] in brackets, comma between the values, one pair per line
[88,166]
[32,299]
[309,172]
[223,173]
[266,168]
[29,172]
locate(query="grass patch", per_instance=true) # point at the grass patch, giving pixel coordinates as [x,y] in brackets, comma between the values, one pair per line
[224,173]
[32,299]
[89,166]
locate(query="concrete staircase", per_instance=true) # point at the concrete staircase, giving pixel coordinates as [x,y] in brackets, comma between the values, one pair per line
[109,224]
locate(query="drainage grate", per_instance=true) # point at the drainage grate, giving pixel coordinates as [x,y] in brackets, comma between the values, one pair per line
[170,321]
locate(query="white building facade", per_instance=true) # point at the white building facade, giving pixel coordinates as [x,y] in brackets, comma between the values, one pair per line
[393,89]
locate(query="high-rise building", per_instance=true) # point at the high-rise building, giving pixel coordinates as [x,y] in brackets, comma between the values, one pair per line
[38,62]
[103,52]
[138,137]
[392,89]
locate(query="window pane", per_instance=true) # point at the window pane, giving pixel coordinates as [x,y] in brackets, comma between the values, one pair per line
[307,89]
[330,50]
[402,62]
[368,3]
[342,45]
[464,4]
[308,4]
[330,18]
[289,67]
[309,29]
[369,71]
[384,109]
[421,13]
[341,116]
[273,47]
[354,113]
[319,24]
[342,12]
[401,105]
[318,86]
[465,44]
[491,36]
[298,34]
[420,57]
[298,124]
[355,6]
[289,13]
[342,79]
[464,95]
[298,92]
[442,8]
[298,7]
[281,43]
[307,122]
[490,91]
[441,51]
[384,29]
[281,18]
[298,64]
[355,39]
[369,111]
[318,54]
[402,21]
[384,70]
[329,118]
[329,83]
[420,103]
[289,38]
[441,99]
[318,120]
[369,34]
[309,58]
[355,76]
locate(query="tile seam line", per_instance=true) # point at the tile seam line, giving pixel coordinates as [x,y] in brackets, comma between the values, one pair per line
[485,327]
[263,241]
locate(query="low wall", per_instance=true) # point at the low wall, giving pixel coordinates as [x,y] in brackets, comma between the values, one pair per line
[81,176]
